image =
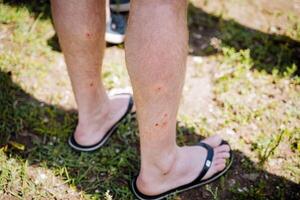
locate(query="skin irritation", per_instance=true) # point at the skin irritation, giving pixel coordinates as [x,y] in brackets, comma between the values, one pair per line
[164,122]
[158,88]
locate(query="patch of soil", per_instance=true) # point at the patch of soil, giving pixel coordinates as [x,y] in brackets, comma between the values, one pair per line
[197,94]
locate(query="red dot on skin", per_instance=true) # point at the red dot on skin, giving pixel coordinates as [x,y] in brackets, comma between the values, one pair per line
[158,88]
[165,115]
[91,84]
[164,123]
[88,34]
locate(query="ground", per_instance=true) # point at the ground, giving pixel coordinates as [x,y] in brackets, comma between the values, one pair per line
[242,82]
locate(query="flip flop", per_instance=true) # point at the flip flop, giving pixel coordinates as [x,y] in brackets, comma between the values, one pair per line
[78,147]
[195,183]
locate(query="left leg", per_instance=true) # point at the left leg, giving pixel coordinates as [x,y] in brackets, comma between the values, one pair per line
[80,26]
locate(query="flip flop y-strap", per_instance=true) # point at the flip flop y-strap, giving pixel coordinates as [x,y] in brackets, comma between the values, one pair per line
[195,183]
[208,160]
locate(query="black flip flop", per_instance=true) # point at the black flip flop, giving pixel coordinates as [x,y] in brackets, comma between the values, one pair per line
[72,142]
[195,183]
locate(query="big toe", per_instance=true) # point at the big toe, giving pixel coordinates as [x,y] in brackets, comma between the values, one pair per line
[213,141]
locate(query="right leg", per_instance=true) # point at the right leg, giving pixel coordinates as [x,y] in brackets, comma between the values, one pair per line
[80,26]
[156,52]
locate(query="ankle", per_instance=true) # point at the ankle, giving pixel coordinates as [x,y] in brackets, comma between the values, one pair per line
[154,174]
[98,111]
[160,166]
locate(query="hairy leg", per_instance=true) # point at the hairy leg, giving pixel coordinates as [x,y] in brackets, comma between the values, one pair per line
[156,51]
[80,26]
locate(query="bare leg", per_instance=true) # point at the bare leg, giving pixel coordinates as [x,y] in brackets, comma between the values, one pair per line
[80,26]
[156,51]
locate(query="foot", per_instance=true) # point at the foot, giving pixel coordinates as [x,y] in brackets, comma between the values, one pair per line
[186,167]
[115,29]
[91,131]
[119,5]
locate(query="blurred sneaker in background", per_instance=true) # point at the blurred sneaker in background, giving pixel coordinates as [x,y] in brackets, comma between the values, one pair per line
[115,28]
[120,5]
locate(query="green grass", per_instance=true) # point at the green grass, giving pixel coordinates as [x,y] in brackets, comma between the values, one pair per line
[256,101]
[251,98]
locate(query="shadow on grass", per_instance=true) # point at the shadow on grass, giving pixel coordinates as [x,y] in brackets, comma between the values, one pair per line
[44,130]
[268,51]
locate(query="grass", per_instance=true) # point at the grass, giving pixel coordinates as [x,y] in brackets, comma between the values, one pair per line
[255,106]
[246,103]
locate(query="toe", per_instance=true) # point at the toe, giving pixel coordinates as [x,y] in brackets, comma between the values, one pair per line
[223,155]
[222,148]
[219,167]
[213,141]
[219,161]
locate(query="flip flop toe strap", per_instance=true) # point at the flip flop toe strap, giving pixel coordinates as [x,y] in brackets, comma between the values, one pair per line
[208,160]
[198,181]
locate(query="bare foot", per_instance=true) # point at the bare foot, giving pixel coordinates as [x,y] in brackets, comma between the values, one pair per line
[91,131]
[187,166]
